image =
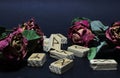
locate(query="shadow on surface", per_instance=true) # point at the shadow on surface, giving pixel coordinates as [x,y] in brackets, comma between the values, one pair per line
[11,66]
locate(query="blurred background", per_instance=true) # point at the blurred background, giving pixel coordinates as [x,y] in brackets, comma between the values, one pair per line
[55,15]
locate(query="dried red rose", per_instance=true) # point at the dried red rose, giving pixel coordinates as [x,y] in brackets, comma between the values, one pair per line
[13,47]
[80,33]
[113,34]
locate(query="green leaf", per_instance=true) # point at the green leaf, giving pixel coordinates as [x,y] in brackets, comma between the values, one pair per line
[98,27]
[84,18]
[3,32]
[95,50]
[92,53]
[101,45]
[3,35]
[30,34]
[78,19]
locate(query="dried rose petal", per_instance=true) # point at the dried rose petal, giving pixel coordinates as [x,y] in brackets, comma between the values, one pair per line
[84,23]
[116,23]
[4,43]
[76,38]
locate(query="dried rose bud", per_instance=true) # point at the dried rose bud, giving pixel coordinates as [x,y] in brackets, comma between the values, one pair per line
[113,34]
[80,34]
[14,45]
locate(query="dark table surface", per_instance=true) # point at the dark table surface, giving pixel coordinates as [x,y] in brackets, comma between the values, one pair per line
[54,16]
[80,69]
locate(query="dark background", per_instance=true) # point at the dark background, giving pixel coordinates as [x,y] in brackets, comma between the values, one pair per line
[54,16]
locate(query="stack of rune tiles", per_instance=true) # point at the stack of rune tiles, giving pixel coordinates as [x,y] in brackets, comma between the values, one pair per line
[59,54]
[103,64]
[36,59]
[54,42]
[61,66]
[78,51]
